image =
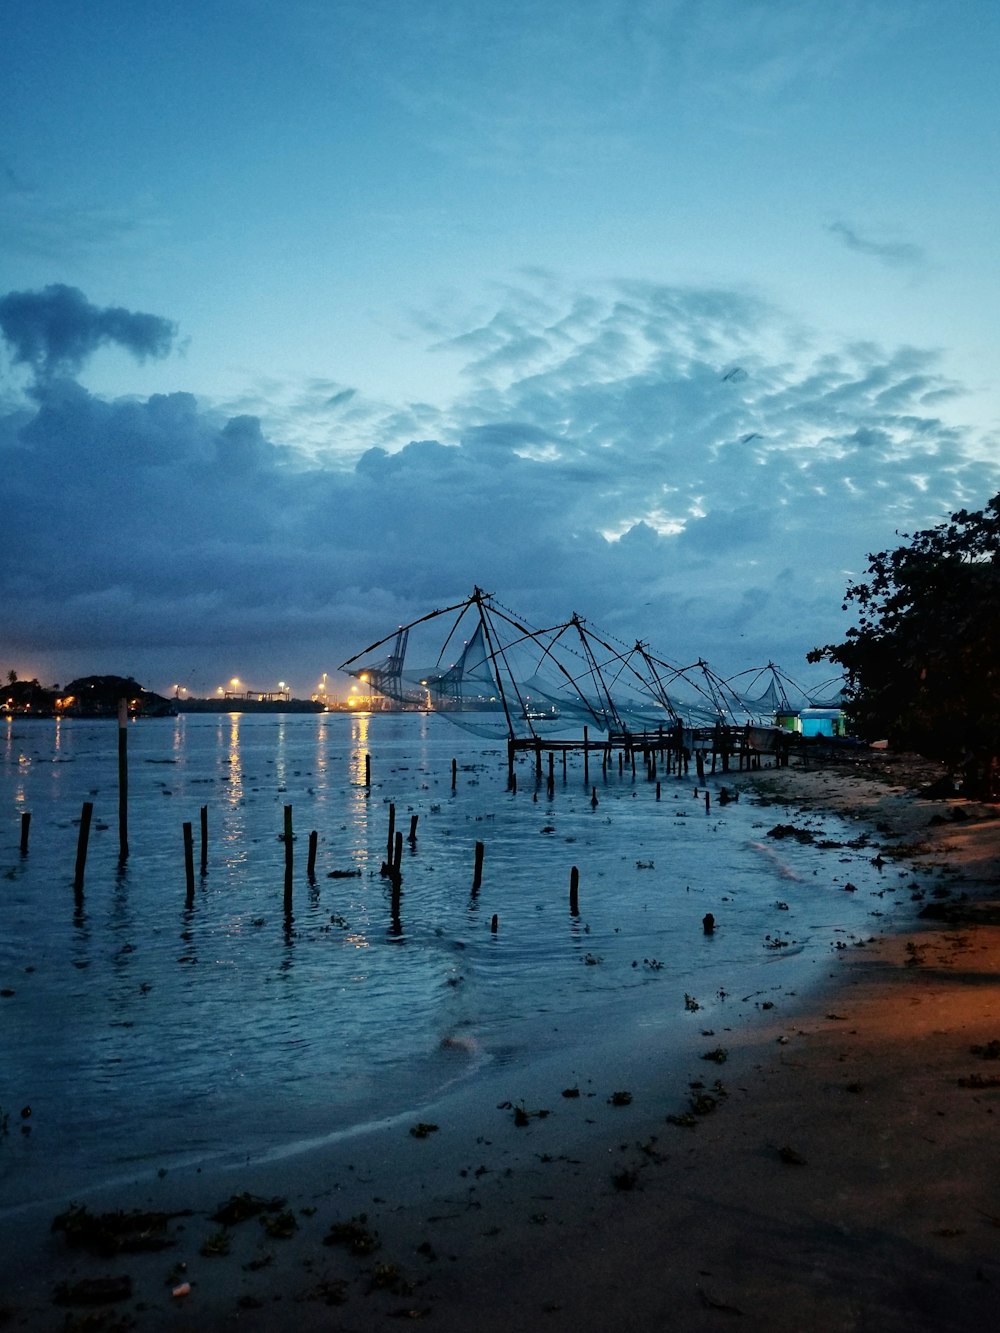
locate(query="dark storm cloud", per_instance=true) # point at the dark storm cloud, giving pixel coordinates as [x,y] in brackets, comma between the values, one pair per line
[896,253]
[56,330]
[611,464]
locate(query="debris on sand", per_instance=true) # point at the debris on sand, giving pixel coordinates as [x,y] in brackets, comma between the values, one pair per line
[116,1232]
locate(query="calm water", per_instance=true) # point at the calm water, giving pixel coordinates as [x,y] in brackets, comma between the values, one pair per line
[143,1030]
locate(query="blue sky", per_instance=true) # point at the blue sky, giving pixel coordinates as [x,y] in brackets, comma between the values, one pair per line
[315,315]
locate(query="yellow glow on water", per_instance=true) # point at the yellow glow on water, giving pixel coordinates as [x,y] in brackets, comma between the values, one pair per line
[235,793]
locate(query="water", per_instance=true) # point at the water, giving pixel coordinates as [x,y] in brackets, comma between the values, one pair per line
[145,1031]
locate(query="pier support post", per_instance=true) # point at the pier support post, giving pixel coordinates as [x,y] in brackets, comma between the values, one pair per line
[289,856]
[188,863]
[86,814]
[123,779]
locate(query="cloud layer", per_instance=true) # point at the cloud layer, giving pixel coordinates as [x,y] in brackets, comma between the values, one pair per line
[677,464]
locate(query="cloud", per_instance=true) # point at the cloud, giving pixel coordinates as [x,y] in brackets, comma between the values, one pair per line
[601,458]
[897,254]
[56,330]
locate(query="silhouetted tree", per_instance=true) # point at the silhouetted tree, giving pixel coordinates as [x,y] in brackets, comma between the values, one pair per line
[923,661]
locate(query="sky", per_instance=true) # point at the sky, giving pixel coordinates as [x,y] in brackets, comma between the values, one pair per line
[316,315]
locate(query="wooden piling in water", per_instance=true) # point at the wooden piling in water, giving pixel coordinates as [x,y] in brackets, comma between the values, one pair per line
[188,862]
[86,814]
[25,826]
[477,875]
[412,838]
[390,841]
[311,863]
[368,770]
[123,779]
[454,773]
[574,891]
[289,857]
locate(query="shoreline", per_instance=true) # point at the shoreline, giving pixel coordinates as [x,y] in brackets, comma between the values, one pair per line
[844,1179]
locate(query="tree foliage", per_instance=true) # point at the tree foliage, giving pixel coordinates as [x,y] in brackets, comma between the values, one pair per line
[923,660]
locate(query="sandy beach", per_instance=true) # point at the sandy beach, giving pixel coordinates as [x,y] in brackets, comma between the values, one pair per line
[831,1161]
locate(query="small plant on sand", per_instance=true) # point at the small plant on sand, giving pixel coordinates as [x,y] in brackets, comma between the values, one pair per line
[281,1226]
[215,1246]
[422,1130]
[719,1056]
[625,1179]
[354,1235]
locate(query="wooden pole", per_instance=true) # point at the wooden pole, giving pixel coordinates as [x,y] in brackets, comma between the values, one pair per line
[574,891]
[289,858]
[189,862]
[86,814]
[477,877]
[368,770]
[25,826]
[454,773]
[391,836]
[311,863]
[123,779]
[412,838]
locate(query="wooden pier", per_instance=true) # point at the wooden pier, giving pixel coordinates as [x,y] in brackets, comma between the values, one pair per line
[665,751]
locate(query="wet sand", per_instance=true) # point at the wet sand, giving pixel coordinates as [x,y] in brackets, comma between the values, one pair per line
[835,1166]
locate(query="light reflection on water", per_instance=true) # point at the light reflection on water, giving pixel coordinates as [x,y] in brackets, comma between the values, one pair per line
[141,1026]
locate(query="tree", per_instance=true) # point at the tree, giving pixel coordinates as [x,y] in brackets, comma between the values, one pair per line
[923,661]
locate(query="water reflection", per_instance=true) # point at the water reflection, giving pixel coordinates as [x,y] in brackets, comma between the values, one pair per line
[281,754]
[234,760]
